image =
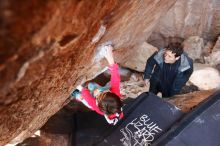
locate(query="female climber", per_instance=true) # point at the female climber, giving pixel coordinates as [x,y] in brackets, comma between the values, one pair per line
[106,100]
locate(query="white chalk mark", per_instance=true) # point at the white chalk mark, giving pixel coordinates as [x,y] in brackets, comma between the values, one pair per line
[25,66]
[199,121]
[99,34]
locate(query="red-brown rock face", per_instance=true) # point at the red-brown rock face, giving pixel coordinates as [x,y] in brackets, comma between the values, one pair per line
[48,47]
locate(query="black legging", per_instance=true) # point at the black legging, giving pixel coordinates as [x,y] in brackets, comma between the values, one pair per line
[155,87]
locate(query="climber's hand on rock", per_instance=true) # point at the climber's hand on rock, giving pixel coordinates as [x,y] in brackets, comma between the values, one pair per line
[109,54]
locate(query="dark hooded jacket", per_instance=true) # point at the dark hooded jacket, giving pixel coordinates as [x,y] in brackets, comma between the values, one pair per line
[154,68]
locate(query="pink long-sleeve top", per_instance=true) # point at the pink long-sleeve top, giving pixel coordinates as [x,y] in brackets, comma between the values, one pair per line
[114,88]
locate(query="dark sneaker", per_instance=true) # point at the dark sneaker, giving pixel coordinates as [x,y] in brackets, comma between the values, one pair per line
[74,93]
